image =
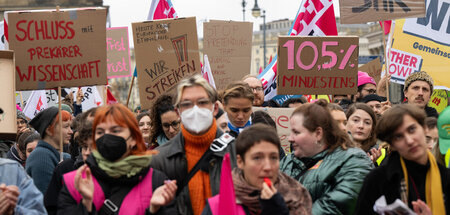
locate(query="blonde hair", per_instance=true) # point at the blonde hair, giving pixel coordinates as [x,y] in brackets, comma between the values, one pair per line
[195,80]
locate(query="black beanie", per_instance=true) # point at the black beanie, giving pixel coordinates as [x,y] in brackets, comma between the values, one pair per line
[43,119]
[372,97]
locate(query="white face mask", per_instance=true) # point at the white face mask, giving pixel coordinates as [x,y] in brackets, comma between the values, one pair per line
[197,119]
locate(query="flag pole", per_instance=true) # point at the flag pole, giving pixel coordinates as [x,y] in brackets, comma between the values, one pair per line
[60,125]
[60,118]
[21,100]
[386,58]
[129,91]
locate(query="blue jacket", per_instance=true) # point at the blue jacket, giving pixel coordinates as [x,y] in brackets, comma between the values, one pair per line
[30,199]
[41,163]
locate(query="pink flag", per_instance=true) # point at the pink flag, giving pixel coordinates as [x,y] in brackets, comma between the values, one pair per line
[161,9]
[227,199]
[110,99]
[386,26]
[314,18]
[206,72]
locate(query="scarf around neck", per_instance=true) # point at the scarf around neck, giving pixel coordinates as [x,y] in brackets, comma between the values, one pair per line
[433,185]
[129,166]
[296,196]
[239,129]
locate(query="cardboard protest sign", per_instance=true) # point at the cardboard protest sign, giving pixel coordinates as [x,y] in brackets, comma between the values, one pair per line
[317,65]
[65,48]
[228,45]
[118,52]
[423,44]
[373,68]
[8,117]
[438,100]
[281,117]
[166,52]
[362,11]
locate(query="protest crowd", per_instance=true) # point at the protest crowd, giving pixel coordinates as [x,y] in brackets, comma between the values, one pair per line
[199,147]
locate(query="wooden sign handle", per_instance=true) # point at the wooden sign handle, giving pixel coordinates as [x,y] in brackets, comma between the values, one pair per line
[129,91]
[60,125]
[386,58]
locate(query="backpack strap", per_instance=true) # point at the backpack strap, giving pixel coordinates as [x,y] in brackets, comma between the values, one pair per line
[69,181]
[218,145]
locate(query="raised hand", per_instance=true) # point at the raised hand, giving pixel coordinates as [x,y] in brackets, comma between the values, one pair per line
[85,185]
[421,208]
[163,195]
[374,154]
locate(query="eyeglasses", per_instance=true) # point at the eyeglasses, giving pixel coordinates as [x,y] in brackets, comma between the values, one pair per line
[371,91]
[174,125]
[202,103]
[257,89]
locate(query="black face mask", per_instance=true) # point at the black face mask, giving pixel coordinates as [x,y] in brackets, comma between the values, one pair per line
[111,147]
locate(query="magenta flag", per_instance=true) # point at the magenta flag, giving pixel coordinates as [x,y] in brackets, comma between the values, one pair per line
[161,9]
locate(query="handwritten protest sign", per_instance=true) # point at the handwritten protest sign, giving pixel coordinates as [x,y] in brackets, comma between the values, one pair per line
[428,40]
[317,65]
[166,52]
[65,48]
[373,68]
[228,45]
[281,117]
[438,100]
[118,52]
[8,119]
[362,11]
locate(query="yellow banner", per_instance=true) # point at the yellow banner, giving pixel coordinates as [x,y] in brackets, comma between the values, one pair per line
[422,44]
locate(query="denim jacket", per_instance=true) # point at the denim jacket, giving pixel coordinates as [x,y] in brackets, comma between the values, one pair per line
[31,200]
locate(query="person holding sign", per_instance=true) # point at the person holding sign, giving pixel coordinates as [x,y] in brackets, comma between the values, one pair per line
[325,160]
[237,103]
[194,156]
[418,88]
[45,157]
[117,172]
[411,174]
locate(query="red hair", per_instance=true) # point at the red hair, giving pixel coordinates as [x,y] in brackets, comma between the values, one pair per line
[66,116]
[123,117]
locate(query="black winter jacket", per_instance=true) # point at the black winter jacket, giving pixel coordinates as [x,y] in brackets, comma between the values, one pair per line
[172,161]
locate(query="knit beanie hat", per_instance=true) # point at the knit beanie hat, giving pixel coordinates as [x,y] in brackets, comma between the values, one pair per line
[418,76]
[43,119]
[364,78]
[372,97]
[66,108]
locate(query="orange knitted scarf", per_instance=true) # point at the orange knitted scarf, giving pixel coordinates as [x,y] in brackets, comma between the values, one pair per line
[199,185]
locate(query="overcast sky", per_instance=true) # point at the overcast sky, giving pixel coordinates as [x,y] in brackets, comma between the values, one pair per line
[123,12]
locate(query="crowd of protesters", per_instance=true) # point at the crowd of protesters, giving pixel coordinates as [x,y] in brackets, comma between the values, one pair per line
[344,155]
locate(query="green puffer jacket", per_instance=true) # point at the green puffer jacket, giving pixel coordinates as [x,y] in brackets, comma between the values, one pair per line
[334,181]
